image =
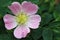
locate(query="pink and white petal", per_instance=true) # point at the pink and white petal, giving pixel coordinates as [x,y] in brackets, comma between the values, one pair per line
[29,7]
[34,21]
[9,21]
[15,8]
[21,32]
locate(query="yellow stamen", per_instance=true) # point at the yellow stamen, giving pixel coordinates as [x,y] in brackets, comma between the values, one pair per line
[21,18]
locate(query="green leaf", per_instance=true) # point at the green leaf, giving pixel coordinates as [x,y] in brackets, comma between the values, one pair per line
[46,18]
[2,27]
[56,36]
[28,38]
[36,34]
[36,2]
[56,16]
[55,26]
[57,7]
[57,13]
[47,34]
[33,1]
[52,5]
[4,3]
[6,37]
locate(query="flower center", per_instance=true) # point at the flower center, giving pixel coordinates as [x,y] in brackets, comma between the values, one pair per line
[21,18]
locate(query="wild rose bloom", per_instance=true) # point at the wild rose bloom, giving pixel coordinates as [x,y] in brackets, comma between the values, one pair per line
[23,19]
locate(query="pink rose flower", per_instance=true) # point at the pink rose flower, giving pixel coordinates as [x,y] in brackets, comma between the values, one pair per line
[24,18]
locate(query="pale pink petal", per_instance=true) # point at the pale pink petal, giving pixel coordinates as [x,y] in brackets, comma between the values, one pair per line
[29,7]
[9,21]
[21,32]
[34,21]
[15,8]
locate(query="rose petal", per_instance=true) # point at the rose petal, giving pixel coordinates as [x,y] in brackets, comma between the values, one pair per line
[15,8]
[9,21]
[21,32]
[29,8]
[34,21]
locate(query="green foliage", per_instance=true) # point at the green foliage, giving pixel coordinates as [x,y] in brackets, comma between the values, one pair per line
[47,34]
[49,28]
[36,34]
[57,13]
